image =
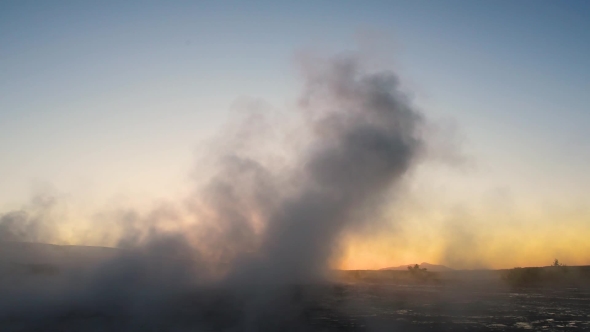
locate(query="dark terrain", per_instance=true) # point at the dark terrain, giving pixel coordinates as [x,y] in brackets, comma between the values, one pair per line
[35,295]
[341,308]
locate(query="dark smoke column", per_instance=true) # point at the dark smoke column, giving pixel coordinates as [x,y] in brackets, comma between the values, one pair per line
[365,138]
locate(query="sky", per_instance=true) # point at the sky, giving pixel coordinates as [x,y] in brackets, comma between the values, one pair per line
[109,104]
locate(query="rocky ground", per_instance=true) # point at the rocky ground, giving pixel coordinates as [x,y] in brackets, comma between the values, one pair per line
[358,307]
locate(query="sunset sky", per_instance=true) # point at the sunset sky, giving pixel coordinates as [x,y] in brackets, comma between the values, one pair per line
[108,104]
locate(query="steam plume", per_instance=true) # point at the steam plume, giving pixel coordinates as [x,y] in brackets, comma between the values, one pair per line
[259,223]
[365,137]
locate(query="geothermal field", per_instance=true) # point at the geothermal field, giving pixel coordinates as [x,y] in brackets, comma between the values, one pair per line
[245,166]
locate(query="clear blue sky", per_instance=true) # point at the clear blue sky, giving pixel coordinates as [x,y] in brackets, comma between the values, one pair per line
[110,98]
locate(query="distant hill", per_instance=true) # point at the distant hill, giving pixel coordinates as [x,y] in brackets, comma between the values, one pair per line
[429,267]
[40,253]
[75,255]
